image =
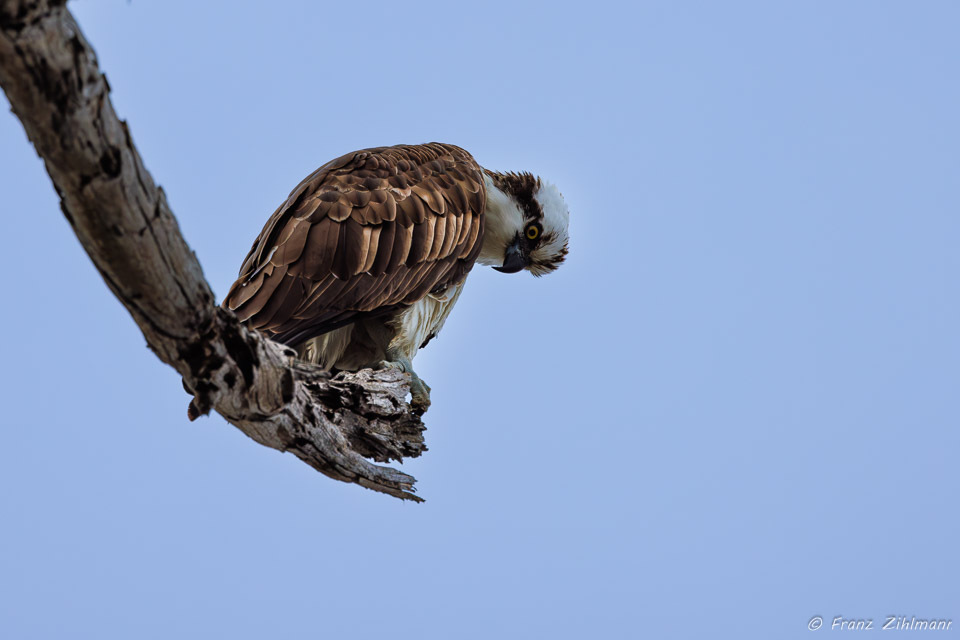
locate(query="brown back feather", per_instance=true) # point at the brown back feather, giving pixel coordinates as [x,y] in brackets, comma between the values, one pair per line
[370,232]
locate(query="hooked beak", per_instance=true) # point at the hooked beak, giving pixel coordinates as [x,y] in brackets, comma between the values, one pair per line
[513,259]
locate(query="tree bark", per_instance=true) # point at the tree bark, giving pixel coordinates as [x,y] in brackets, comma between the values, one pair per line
[51,77]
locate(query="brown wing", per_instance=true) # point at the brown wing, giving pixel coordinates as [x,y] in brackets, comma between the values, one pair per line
[370,232]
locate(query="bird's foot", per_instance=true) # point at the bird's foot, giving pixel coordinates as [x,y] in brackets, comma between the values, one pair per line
[419,390]
[390,364]
[419,394]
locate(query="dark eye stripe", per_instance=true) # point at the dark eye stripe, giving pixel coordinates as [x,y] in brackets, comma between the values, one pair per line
[523,187]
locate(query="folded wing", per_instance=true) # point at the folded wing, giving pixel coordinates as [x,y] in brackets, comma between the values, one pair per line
[370,232]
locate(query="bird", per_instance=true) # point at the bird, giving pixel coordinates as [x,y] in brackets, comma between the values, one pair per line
[362,264]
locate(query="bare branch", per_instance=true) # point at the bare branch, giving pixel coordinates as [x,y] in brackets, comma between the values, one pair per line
[50,76]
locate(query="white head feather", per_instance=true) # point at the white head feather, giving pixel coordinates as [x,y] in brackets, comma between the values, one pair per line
[506,219]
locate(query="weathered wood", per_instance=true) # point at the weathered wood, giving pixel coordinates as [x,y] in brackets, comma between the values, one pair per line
[50,76]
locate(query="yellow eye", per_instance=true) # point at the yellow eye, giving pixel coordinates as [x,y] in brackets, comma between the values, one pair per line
[533,232]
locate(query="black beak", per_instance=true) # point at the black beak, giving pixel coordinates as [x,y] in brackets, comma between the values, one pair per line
[513,259]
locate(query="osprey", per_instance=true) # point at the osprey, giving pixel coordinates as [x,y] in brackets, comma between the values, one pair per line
[362,264]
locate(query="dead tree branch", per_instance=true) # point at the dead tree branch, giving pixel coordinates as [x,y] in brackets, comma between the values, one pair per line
[50,76]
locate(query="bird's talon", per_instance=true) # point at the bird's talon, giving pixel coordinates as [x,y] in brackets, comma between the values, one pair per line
[419,394]
[390,364]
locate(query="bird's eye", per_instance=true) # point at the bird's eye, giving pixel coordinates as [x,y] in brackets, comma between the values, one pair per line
[533,232]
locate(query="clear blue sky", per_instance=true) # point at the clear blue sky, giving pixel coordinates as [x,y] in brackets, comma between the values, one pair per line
[734,408]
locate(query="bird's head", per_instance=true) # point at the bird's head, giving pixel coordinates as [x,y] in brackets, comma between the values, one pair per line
[525,224]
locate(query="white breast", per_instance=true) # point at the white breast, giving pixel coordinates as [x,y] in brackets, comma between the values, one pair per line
[424,319]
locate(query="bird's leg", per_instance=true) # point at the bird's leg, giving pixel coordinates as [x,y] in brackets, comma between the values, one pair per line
[419,391]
